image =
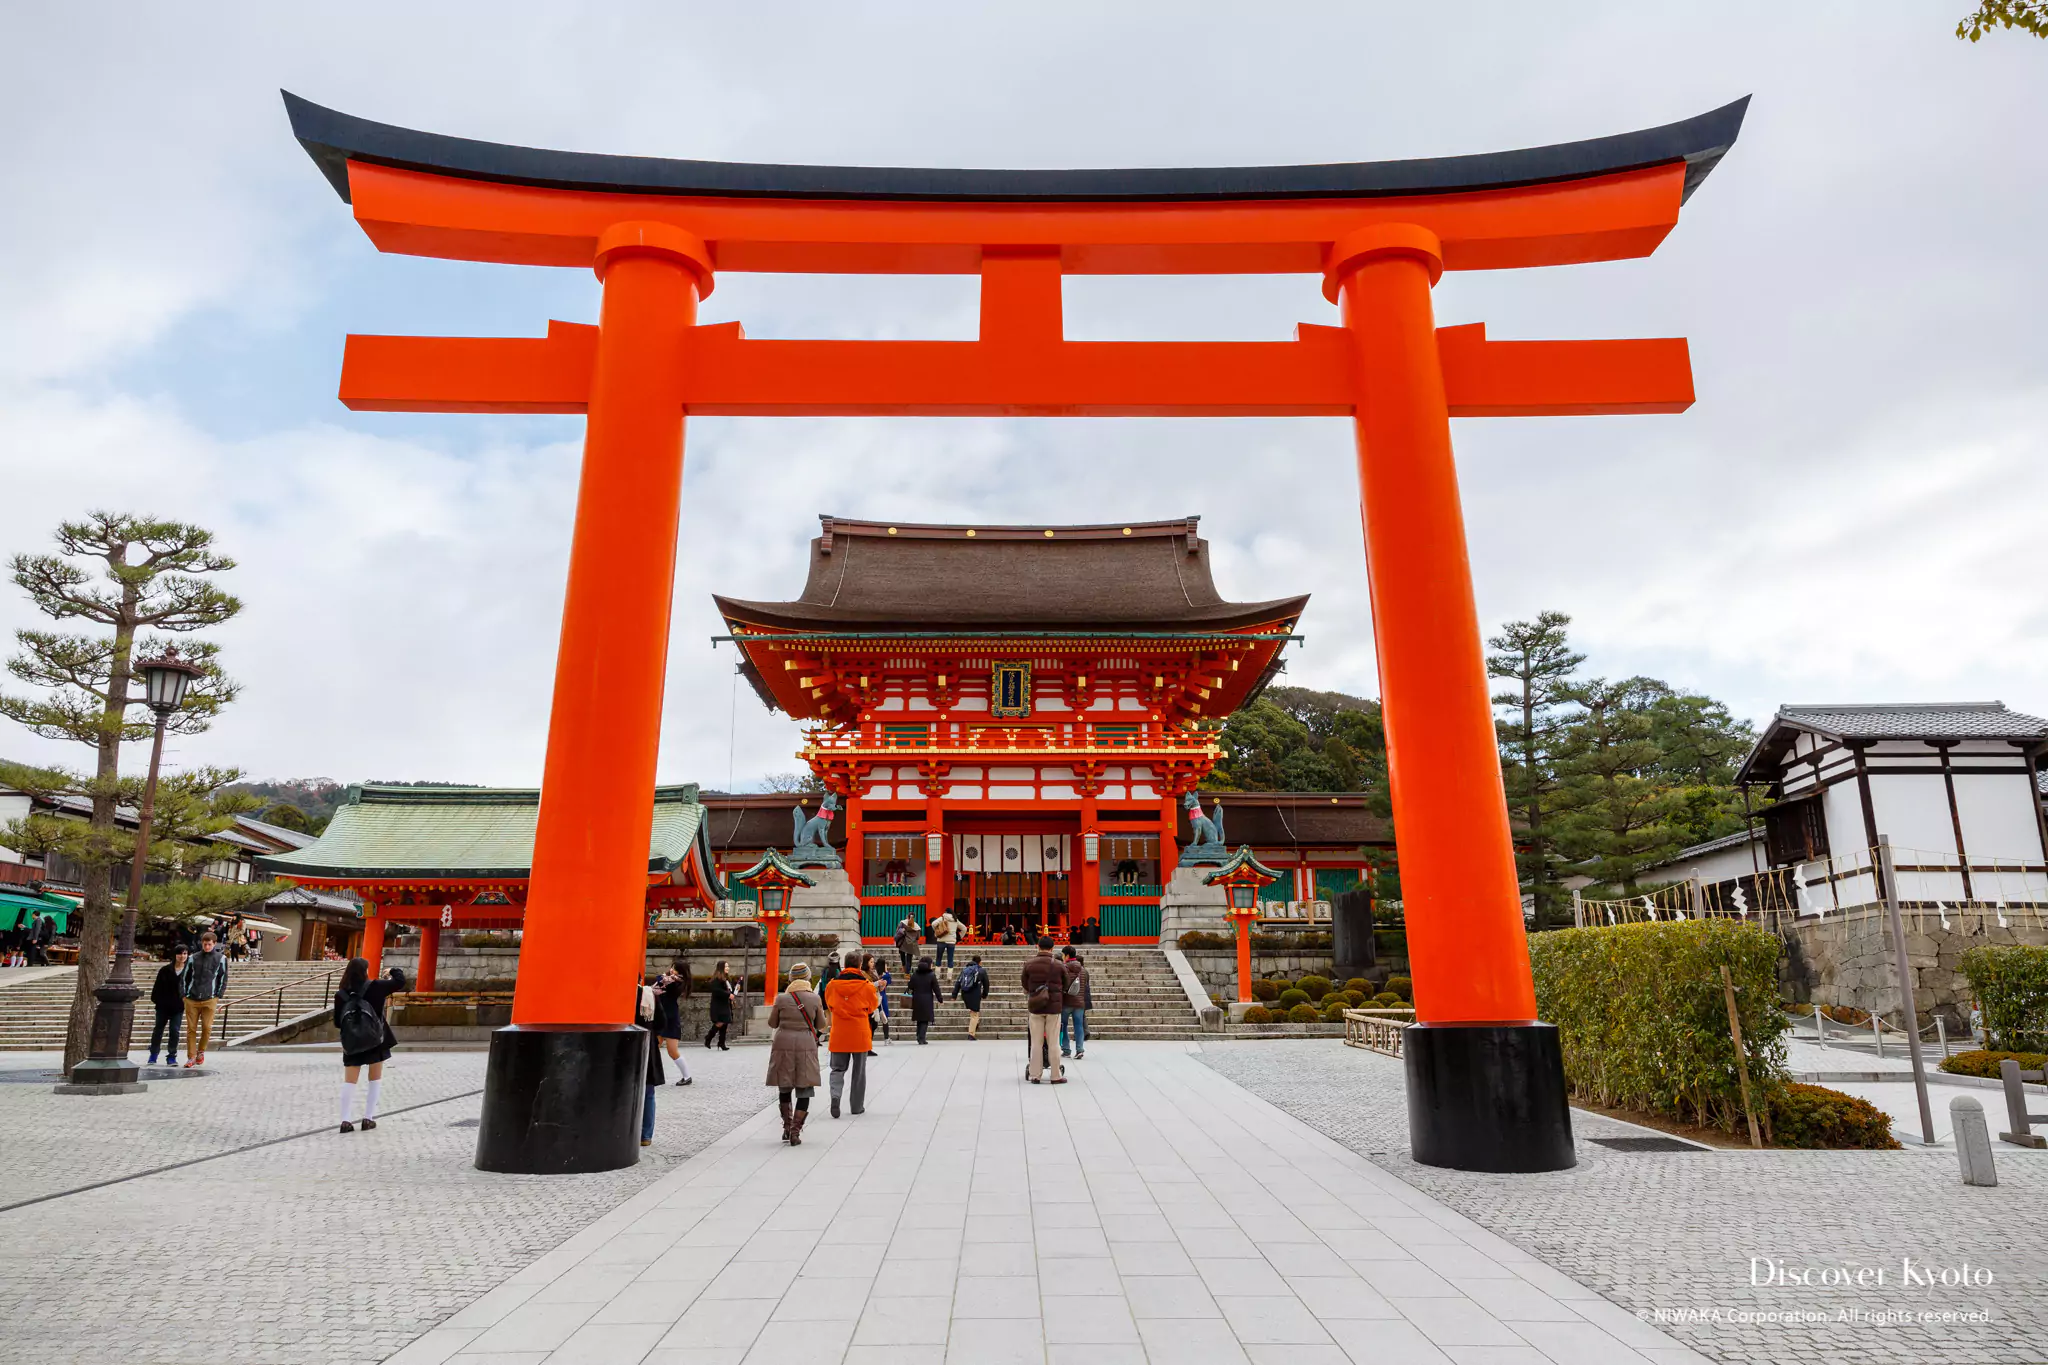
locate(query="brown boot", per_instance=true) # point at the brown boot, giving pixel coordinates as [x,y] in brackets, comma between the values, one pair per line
[782,1103]
[796,1127]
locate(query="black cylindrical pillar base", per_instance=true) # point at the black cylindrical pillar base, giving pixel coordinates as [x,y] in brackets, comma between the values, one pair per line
[562,1099]
[1487,1097]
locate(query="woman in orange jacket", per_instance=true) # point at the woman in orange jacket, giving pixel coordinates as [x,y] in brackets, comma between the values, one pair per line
[851,998]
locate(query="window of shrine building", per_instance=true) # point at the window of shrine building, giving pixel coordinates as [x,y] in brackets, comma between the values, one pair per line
[1130,865]
[894,866]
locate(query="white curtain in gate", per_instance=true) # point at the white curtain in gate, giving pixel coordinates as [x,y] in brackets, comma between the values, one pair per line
[1013,854]
[1053,852]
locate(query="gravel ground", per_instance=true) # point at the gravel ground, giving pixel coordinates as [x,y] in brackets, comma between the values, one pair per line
[1677,1238]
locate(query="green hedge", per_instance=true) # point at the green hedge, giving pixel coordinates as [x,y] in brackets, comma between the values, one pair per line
[1643,1022]
[1304,1014]
[2011,985]
[1815,1116]
[1986,1063]
[1258,1014]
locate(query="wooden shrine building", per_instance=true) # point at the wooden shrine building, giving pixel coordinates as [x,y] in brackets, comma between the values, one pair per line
[1013,717]
[437,858]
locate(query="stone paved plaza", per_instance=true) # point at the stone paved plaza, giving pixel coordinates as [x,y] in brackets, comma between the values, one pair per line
[1660,1232]
[322,1248]
[1173,1203]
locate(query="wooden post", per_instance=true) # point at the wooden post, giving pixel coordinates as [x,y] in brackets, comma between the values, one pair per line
[1909,1014]
[1741,1055]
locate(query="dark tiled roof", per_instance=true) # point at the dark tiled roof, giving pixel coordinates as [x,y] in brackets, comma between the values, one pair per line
[1956,720]
[875,576]
[1283,819]
[759,820]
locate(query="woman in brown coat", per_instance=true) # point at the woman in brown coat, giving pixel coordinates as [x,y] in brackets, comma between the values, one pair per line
[796,1017]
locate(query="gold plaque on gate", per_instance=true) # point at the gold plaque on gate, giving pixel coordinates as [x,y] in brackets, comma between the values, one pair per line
[1009,690]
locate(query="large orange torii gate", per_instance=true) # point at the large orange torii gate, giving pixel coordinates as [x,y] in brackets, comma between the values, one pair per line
[1485,1080]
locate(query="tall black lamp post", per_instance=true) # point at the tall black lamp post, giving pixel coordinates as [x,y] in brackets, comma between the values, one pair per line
[106,1069]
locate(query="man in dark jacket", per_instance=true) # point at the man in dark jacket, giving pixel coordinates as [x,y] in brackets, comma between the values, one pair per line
[203,982]
[168,996]
[39,940]
[970,990]
[1045,993]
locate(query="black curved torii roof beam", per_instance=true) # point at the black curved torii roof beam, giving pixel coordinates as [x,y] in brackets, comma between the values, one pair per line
[333,139]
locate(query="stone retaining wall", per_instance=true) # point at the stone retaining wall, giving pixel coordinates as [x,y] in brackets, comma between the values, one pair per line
[1847,960]
[1218,967]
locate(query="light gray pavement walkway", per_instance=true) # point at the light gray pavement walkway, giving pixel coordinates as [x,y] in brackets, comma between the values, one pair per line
[1673,1233]
[1147,1210]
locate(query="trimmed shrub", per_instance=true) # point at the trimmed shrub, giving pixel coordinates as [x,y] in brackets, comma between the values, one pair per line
[1304,1013]
[1333,1009]
[1387,1000]
[1258,1014]
[1354,998]
[1315,987]
[1359,984]
[1986,1063]
[1643,1022]
[1202,938]
[1815,1116]
[1401,986]
[2011,986]
[1291,997]
[1265,990]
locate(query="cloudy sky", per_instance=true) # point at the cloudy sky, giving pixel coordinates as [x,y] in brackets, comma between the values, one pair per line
[1851,512]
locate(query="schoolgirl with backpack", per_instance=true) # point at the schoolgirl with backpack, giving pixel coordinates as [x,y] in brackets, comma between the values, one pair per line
[366,1037]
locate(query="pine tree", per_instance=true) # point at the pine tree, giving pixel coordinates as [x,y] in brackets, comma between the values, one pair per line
[1537,657]
[1617,809]
[149,586]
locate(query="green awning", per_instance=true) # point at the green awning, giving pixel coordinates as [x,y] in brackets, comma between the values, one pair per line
[17,906]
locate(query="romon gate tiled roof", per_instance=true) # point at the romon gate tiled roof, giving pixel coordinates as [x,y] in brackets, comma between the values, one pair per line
[475,832]
[1953,720]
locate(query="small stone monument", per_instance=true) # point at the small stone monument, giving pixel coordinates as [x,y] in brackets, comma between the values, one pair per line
[1973,1141]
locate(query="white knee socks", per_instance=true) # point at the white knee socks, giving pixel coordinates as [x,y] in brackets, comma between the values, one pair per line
[370,1103]
[682,1066]
[348,1095]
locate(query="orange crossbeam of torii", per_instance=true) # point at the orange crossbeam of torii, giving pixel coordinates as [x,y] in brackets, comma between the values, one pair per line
[1485,1081]
[726,375]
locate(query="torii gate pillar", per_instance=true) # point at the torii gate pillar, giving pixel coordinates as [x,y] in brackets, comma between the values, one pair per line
[1486,1086]
[1485,1079]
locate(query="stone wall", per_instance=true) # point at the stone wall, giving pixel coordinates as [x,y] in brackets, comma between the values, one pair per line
[1847,960]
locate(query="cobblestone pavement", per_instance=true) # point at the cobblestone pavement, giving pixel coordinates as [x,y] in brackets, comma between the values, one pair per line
[1674,1233]
[1148,1210]
[324,1248]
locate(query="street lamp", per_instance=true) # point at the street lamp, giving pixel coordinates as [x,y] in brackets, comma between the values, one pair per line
[773,878]
[106,1069]
[1241,877]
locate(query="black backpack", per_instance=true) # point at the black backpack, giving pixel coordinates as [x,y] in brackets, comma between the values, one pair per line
[362,1028]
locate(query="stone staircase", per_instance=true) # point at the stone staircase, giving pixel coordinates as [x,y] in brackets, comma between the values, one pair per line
[34,1012]
[1136,996]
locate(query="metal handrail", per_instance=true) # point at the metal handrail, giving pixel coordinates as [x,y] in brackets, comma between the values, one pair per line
[227,1005]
